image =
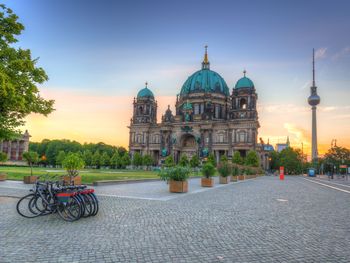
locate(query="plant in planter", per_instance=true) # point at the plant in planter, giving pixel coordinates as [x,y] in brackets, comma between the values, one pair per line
[72,163]
[31,158]
[242,174]
[3,158]
[224,169]
[177,177]
[208,171]
[235,173]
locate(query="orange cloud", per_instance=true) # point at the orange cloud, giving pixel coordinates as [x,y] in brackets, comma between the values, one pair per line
[88,118]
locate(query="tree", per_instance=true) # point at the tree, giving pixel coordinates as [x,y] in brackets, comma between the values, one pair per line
[72,163]
[96,159]
[252,159]
[31,158]
[60,157]
[125,161]
[183,160]
[237,158]
[137,159]
[87,157]
[291,161]
[336,156]
[105,160]
[211,159]
[194,162]
[19,78]
[169,161]
[147,160]
[115,160]
[275,160]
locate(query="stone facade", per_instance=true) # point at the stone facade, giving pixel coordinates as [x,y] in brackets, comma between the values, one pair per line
[208,119]
[15,148]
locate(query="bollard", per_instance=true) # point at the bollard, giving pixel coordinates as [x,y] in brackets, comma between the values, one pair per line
[281,173]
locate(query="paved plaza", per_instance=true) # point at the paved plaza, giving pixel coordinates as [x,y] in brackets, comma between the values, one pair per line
[259,220]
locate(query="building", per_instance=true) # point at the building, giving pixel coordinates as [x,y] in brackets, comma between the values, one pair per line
[209,117]
[281,146]
[15,148]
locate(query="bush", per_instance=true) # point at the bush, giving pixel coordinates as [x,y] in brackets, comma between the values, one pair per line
[183,160]
[147,160]
[252,159]
[237,158]
[235,170]
[224,169]
[176,173]
[208,170]
[169,161]
[137,159]
[223,158]
[194,162]
[211,159]
[3,157]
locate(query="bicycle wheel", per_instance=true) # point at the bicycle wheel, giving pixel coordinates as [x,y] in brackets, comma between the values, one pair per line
[26,206]
[95,202]
[71,210]
[88,205]
[44,204]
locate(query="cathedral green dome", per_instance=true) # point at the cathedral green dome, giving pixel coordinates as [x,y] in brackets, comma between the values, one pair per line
[205,80]
[244,82]
[145,93]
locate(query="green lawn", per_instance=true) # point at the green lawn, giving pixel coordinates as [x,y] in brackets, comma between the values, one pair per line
[88,175]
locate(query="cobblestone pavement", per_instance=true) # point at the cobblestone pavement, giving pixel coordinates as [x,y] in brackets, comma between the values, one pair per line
[261,220]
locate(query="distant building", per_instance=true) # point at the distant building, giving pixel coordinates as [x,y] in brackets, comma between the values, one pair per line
[15,148]
[281,146]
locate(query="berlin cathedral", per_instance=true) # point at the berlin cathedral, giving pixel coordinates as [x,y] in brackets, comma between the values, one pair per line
[209,118]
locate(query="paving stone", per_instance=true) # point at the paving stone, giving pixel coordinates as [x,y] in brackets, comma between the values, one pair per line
[236,223]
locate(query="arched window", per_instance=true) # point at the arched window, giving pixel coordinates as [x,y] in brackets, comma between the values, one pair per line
[139,138]
[242,136]
[140,110]
[242,104]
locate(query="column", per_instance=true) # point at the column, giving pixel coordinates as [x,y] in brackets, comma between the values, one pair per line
[210,140]
[229,142]
[9,150]
[17,149]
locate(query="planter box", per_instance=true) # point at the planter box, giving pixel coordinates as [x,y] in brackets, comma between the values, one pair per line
[207,182]
[29,179]
[76,180]
[234,178]
[3,176]
[224,180]
[178,186]
[241,177]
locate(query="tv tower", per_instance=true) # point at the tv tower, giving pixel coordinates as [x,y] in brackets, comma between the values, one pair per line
[314,100]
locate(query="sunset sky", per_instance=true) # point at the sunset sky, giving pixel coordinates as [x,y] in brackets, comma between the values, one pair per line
[98,54]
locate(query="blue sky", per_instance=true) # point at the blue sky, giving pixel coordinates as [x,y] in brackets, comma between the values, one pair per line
[110,48]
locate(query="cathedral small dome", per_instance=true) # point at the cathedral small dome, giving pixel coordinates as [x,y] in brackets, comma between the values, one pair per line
[244,82]
[145,93]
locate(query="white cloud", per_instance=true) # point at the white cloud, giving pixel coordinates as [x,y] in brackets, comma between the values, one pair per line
[344,52]
[320,53]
